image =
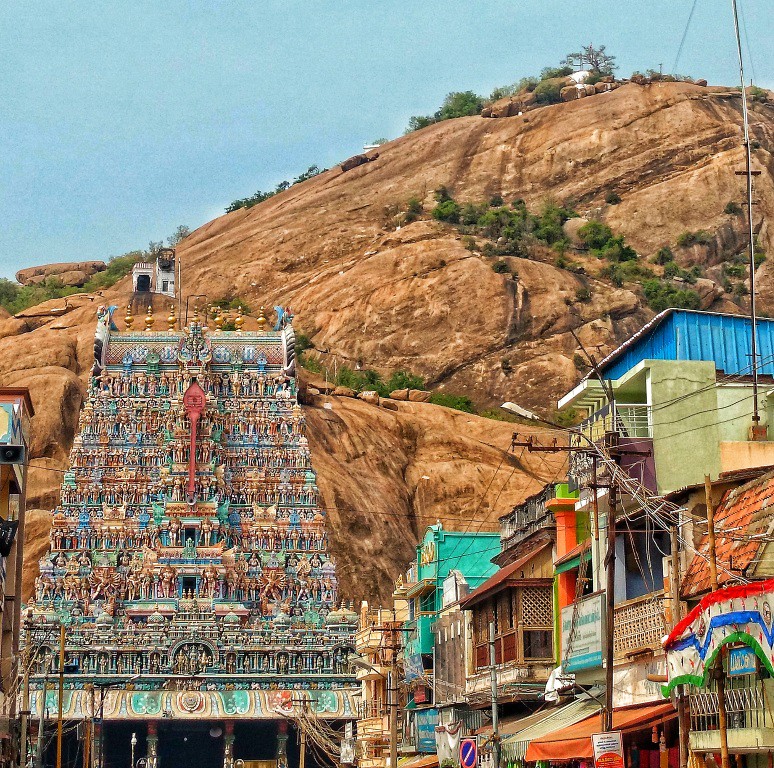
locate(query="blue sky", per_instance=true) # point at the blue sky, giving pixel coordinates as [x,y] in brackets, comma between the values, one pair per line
[121,120]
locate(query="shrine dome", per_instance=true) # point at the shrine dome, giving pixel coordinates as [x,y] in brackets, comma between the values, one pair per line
[232,619]
[155,618]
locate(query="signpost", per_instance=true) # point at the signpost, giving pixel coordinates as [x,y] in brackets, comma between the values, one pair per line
[608,750]
[468,753]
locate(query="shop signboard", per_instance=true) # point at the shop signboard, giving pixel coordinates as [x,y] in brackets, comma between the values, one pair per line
[608,750]
[583,633]
[741,661]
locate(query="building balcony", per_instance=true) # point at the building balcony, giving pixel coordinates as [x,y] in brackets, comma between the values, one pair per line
[639,625]
[515,680]
[374,672]
[630,420]
[526,518]
[374,729]
[369,640]
[750,721]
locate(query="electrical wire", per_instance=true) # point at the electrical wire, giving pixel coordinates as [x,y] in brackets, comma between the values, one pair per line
[685,35]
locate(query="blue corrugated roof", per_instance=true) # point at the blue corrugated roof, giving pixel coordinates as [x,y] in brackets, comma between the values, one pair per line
[683,334]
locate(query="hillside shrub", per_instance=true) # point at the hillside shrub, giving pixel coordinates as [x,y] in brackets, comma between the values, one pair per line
[664,255]
[457,402]
[448,210]
[615,249]
[732,208]
[595,234]
[549,91]
[661,295]
[700,237]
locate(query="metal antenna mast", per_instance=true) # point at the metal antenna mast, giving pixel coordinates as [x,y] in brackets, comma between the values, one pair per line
[749,174]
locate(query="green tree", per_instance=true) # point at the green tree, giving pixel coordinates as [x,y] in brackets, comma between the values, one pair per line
[549,91]
[179,234]
[417,122]
[459,104]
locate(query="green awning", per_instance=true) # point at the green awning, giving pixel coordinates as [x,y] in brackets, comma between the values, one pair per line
[515,747]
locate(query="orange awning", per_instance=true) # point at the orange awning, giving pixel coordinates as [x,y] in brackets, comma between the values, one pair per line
[574,742]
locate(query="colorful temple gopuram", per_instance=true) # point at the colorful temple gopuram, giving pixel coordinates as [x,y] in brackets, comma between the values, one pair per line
[189,555]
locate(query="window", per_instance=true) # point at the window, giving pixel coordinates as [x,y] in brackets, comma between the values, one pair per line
[538,644]
[165,285]
[188,584]
[524,628]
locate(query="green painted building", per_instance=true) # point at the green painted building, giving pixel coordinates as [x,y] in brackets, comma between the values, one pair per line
[683,391]
[440,552]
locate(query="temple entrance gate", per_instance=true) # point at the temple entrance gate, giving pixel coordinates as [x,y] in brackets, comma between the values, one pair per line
[189,554]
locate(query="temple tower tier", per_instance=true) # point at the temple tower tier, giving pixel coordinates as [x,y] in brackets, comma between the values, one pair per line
[189,553]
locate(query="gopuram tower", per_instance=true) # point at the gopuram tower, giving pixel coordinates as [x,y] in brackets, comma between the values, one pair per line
[189,556]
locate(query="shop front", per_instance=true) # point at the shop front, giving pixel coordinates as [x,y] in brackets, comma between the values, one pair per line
[727,642]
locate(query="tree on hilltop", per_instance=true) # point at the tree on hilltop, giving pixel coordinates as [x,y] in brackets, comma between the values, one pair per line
[592,58]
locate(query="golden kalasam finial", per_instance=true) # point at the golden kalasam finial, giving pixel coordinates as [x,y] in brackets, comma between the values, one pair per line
[149,319]
[262,321]
[172,319]
[218,318]
[239,321]
[196,313]
[128,317]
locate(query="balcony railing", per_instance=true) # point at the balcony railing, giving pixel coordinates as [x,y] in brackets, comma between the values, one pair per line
[629,420]
[639,624]
[526,518]
[369,709]
[745,707]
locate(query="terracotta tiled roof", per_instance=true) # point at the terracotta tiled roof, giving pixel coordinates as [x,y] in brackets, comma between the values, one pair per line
[745,510]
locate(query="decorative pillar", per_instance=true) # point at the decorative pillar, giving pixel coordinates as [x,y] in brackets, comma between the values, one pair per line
[153,745]
[282,744]
[228,744]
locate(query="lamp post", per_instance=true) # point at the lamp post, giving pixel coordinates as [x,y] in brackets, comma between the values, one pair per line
[133,742]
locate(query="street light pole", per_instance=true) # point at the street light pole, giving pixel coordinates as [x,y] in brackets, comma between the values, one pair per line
[133,742]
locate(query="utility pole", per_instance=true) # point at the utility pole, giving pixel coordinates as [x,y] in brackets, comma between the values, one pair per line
[721,679]
[682,725]
[493,684]
[392,693]
[610,604]
[25,704]
[39,757]
[60,701]
[757,434]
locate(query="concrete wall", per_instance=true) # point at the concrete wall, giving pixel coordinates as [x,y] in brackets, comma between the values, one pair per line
[685,430]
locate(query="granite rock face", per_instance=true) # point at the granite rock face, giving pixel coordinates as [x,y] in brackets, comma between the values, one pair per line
[418,299]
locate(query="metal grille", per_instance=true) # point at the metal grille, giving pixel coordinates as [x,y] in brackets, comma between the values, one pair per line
[639,624]
[537,607]
[745,706]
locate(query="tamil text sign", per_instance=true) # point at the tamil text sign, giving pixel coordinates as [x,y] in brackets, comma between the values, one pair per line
[583,633]
[608,750]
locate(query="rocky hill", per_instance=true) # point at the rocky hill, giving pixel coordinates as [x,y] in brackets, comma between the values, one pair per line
[420,297]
